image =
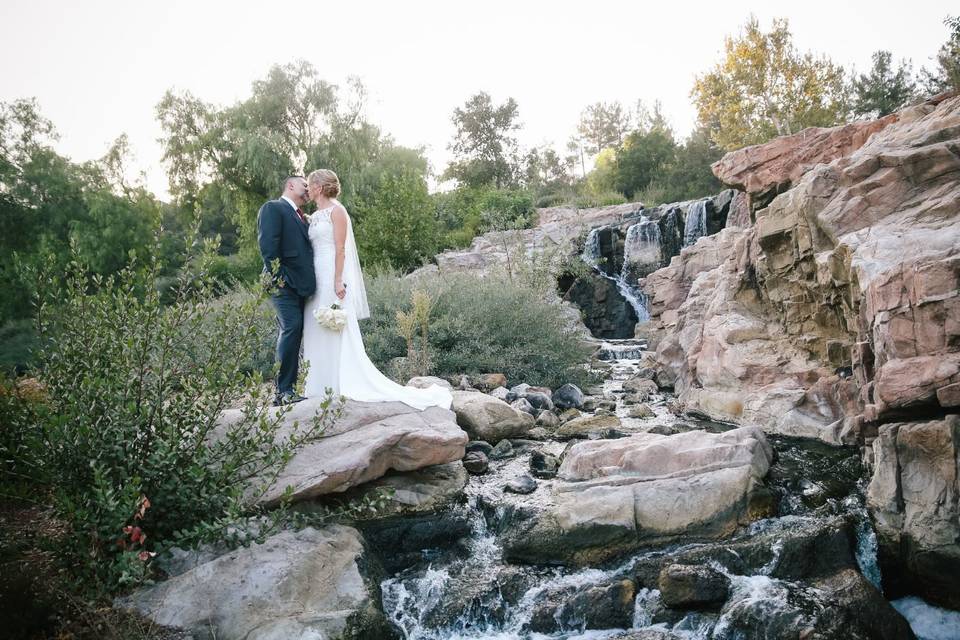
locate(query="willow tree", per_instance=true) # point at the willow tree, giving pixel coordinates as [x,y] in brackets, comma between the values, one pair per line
[233,158]
[765,88]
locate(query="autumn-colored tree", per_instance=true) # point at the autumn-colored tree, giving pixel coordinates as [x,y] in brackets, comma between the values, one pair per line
[764,88]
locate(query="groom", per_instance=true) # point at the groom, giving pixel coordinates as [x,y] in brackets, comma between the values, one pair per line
[288,259]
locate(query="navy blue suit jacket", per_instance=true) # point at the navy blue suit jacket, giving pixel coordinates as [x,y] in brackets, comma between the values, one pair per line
[283,236]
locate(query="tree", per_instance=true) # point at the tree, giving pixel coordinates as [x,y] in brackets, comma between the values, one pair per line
[396,221]
[484,146]
[946,74]
[603,125]
[765,88]
[642,159]
[688,175]
[882,90]
[48,203]
[234,158]
[545,170]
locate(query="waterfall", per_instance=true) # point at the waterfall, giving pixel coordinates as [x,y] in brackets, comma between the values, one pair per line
[695,224]
[642,245]
[592,255]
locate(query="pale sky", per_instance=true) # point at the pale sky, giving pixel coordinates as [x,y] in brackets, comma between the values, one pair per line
[98,68]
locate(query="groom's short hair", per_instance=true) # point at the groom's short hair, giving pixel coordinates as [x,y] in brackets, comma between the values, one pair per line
[287,180]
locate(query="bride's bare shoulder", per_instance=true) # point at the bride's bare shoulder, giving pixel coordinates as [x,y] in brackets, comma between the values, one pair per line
[339,212]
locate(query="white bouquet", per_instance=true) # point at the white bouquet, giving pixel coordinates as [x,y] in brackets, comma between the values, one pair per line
[332,317]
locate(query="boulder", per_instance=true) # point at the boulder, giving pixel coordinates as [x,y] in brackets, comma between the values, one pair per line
[489,381]
[237,595]
[613,496]
[504,449]
[476,462]
[502,393]
[489,419]
[913,496]
[369,439]
[569,396]
[522,484]
[568,414]
[523,405]
[641,411]
[607,606]
[692,587]
[424,382]
[548,420]
[586,425]
[479,445]
[539,401]
[544,465]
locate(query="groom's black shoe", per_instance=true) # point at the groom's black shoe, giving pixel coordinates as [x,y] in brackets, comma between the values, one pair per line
[287,398]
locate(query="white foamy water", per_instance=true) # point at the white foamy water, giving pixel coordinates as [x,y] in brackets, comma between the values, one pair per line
[927,621]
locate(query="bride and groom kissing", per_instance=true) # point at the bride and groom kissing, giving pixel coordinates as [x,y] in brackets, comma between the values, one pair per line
[313,264]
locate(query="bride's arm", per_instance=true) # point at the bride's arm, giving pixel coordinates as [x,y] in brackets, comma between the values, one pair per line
[339,218]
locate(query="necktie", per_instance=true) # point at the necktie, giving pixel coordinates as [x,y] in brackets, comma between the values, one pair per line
[302,219]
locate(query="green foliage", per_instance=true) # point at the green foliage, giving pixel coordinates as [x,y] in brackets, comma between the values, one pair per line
[765,88]
[127,436]
[465,212]
[479,325]
[946,74]
[643,157]
[48,203]
[18,340]
[484,148]
[396,221]
[882,90]
[603,125]
[226,161]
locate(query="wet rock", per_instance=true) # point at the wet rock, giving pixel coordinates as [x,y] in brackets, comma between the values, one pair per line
[520,390]
[504,449]
[568,414]
[523,484]
[539,434]
[569,396]
[522,404]
[692,587]
[595,607]
[646,634]
[641,411]
[584,426]
[476,462]
[417,492]
[489,381]
[489,419]
[548,420]
[539,401]
[617,495]
[479,445]
[544,465]
[913,496]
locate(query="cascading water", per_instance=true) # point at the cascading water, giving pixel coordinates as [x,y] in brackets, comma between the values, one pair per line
[592,256]
[642,253]
[474,594]
[695,224]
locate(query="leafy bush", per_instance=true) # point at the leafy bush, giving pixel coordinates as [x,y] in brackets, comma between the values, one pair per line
[127,435]
[464,212]
[479,325]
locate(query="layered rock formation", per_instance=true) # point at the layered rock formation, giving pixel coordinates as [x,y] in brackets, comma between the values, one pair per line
[836,315]
[314,583]
[617,495]
[369,439]
[839,306]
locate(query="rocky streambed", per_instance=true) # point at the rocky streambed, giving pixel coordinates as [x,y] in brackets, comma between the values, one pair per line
[800,559]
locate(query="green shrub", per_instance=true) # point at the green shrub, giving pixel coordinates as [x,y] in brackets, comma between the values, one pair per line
[479,325]
[465,212]
[127,437]
[18,341]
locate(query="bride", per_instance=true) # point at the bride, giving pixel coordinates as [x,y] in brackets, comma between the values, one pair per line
[337,359]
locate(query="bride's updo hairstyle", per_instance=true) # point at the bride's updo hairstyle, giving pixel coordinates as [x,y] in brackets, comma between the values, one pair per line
[327,180]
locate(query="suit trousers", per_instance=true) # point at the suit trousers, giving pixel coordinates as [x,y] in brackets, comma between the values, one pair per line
[289,306]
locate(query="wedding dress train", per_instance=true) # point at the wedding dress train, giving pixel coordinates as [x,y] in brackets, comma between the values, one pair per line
[337,359]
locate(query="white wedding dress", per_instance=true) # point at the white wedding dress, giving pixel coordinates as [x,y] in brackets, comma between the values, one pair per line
[337,359]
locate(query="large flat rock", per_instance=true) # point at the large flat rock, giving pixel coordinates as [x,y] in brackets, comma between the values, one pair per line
[369,439]
[307,584]
[617,495]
